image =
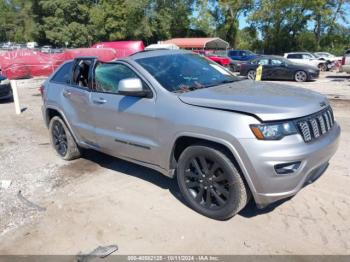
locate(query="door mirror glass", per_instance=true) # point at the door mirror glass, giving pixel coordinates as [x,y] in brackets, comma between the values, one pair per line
[131,87]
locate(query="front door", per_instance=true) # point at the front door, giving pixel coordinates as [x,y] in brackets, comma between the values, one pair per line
[125,125]
[76,101]
[279,70]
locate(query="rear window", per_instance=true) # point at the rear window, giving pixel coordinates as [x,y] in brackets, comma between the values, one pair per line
[233,53]
[63,75]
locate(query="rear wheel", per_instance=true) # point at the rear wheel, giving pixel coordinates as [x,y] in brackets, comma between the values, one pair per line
[322,67]
[251,74]
[300,76]
[62,140]
[210,182]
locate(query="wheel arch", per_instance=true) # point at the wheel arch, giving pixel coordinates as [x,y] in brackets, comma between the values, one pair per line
[186,140]
[51,112]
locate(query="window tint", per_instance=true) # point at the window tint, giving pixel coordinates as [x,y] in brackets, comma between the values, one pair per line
[276,62]
[306,56]
[233,53]
[108,76]
[263,61]
[63,74]
[294,56]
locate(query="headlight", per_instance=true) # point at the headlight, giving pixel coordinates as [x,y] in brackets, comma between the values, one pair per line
[273,131]
[5,82]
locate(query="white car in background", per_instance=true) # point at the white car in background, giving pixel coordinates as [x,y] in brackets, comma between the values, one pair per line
[345,63]
[307,59]
[328,56]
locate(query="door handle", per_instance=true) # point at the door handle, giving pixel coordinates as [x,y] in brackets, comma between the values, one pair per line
[67,93]
[100,101]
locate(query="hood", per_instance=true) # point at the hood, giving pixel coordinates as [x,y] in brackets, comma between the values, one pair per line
[267,101]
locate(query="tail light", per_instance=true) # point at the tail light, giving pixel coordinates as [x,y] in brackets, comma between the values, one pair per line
[343,61]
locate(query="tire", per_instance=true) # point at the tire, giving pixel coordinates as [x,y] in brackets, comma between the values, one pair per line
[300,76]
[251,74]
[323,67]
[214,187]
[62,139]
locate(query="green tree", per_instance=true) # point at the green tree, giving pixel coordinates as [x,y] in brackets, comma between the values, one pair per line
[228,13]
[326,14]
[16,21]
[203,22]
[108,20]
[66,21]
[280,23]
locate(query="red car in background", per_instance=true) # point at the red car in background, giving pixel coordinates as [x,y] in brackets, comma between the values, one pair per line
[222,60]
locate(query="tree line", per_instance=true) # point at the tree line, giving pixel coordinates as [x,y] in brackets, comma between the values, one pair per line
[272,26]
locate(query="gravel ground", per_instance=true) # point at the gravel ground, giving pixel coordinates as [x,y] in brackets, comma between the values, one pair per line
[69,207]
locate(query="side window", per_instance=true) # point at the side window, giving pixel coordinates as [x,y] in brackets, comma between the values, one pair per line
[234,53]
[294,56]
[81,72]
[108,76]
[264,61]
[62,76]
[276,62]
[306,56]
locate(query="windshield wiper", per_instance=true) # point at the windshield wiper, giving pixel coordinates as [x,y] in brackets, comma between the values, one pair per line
[188,88]
[226,81]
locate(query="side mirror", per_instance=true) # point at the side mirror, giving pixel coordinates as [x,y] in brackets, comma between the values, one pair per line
[132,87]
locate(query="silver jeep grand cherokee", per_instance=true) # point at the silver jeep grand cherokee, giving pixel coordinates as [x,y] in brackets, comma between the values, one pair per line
[224,139]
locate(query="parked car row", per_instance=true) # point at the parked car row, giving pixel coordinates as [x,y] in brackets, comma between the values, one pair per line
[297,66]
[279,68]
[30,45]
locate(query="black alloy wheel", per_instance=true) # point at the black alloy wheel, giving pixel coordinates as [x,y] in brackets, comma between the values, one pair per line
[62,140]
[59,138]
[210,182]
[207,182]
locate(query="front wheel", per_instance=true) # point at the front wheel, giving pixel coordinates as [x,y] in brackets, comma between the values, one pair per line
[210,182]
[300,76]
[62,140]
[322,67]
[251,75]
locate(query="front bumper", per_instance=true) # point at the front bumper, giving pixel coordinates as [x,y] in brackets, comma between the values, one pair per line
[261,157]
[345,68]
[5,91]
[314,75]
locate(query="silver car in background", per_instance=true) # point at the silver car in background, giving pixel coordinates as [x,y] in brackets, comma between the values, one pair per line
[224,139]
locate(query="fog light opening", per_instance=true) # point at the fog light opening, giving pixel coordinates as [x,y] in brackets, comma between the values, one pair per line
[287,168]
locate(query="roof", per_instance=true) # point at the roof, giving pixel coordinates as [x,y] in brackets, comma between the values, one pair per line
[210,43]
[162,46]
[155,53]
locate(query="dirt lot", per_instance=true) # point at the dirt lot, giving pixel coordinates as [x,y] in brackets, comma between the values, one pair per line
[99,200]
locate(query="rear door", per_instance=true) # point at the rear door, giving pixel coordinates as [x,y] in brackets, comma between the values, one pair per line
[76,100]
[125,125]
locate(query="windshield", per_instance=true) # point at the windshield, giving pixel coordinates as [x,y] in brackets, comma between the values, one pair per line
[185,72]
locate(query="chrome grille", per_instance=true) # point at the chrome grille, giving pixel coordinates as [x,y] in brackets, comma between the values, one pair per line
[316,125]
